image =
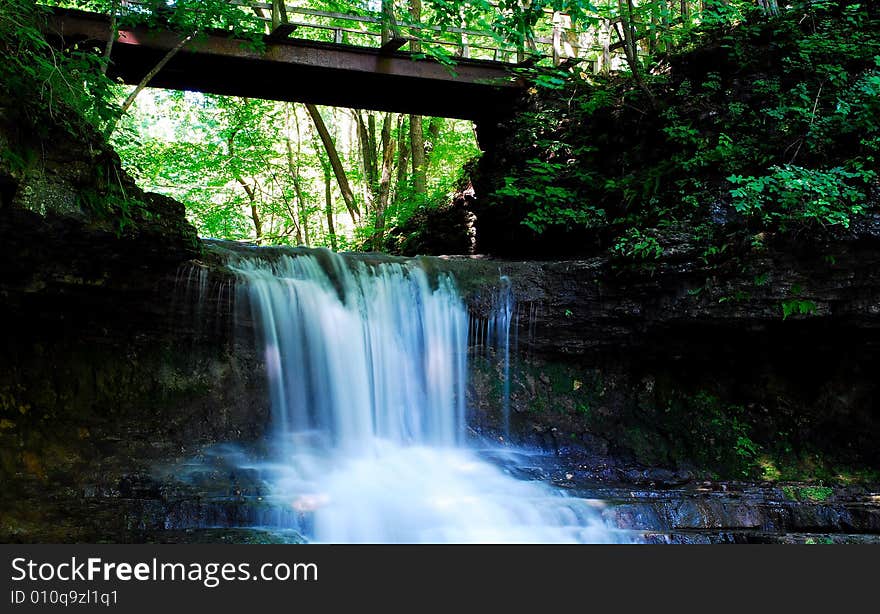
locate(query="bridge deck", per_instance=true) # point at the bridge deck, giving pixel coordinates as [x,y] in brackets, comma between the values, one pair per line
[298,70]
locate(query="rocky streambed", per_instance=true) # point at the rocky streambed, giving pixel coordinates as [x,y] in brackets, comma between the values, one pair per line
[210,498]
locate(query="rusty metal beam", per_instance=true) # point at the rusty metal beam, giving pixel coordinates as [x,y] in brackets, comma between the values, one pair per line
[283,31]
[392,45]
[298,70]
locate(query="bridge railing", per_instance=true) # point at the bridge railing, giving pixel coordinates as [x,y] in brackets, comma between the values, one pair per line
[393,31]
[553,37]
[374,23]
[371,28]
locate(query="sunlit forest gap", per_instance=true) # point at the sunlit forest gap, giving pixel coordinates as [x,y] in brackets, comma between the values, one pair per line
[259,170]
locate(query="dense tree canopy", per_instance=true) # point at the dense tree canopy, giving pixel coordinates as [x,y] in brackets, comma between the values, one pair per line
[771,126]
[286,173]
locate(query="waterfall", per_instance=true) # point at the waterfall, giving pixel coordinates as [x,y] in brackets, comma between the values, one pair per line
[366,364]
[499,339]
[363,354]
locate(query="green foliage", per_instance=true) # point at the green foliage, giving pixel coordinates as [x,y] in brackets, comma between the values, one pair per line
[180,15]
[786,461]
[709,432]
[694,429]
[512,23]
[213,156]
[792,194]
[811,541]
[751,138]
[797,307]
[543,77]
[736,297]
[813,494]
[49,92]
[552,203]
[40,81]
[638,246]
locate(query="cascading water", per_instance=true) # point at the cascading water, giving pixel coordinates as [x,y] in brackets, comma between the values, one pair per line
[499,339]
[367,375]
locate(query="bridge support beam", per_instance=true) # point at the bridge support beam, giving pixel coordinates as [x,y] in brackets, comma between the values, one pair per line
[299,71]
[282,31]
[279,14]
[392,45]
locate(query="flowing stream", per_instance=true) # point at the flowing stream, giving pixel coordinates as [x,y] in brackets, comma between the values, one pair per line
[367,369]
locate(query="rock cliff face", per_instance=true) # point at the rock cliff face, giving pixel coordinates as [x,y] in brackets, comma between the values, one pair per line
[672,362]
[108,363]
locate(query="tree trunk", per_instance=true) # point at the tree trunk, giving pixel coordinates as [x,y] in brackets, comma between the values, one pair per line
[328,209]
[146,80]
[604,62]
[255,214]
[335,163]
[293,170]
[417,138]
[385,180]
[417,152]
[251,193]
[415,12]
[374,147]
[297,182]
[388,29]
[301,207]
[627,33]
[108,49]
[403,155]
[367,140]
[434,127]
[402,148]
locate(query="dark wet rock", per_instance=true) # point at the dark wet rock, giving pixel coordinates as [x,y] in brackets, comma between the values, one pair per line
[638,517]
[689,538]
[602,349]
[739,513]
[435,231]
[594,444]
[690,514]
[110,359]
[220,536]
[756,537]
[139,487]
[654,476]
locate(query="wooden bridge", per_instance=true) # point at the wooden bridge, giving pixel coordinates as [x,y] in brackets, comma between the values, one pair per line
[342,71]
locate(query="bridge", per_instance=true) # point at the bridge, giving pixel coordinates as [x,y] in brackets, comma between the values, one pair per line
[335,72]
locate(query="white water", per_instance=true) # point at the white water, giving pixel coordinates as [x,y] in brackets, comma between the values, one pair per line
[367,374]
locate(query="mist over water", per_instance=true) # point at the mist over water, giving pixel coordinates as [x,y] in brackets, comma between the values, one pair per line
[367,369]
